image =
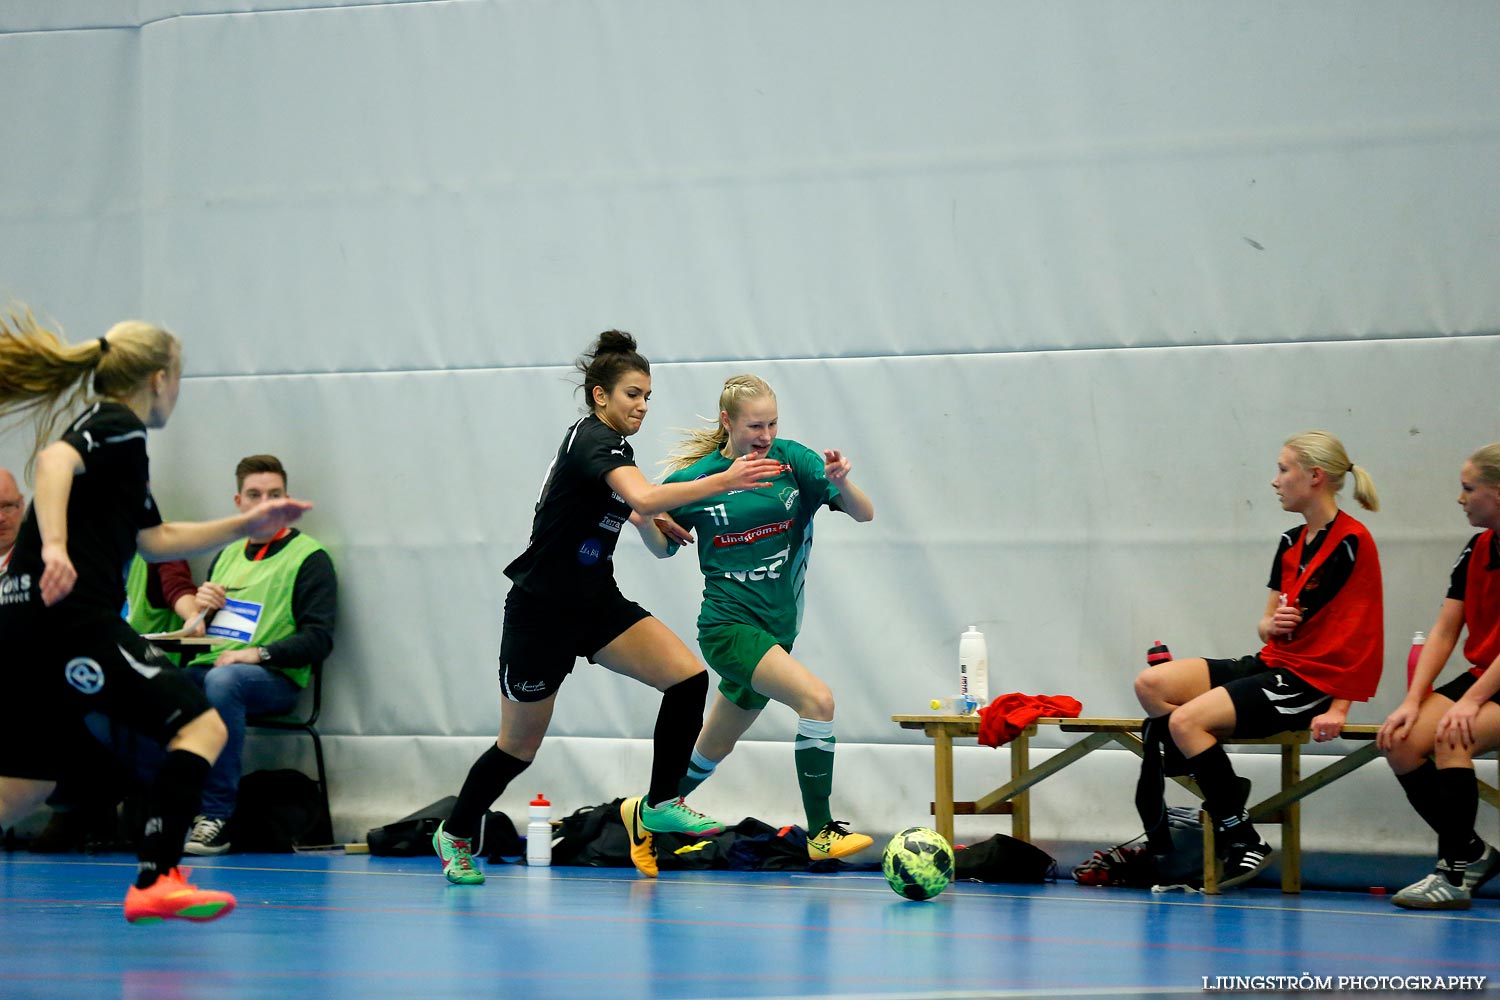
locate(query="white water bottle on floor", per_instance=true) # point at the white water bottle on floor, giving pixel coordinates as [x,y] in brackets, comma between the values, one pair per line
[539,833]
[973,668]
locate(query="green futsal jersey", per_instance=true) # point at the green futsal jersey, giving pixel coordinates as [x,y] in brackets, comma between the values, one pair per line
[753,545]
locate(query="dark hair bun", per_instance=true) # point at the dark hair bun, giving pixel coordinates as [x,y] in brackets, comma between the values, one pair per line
[614,342]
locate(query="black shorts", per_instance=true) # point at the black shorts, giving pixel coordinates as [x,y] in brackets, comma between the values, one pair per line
[1459,686]
[56,673]
[543,636]
[1266,701]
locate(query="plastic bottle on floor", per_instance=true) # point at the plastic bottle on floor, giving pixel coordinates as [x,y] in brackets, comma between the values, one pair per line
[539,833]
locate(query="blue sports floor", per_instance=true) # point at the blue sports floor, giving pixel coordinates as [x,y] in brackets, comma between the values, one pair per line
[336,926]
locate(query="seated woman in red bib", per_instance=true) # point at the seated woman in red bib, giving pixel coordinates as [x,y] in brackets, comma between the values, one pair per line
[1323,630]
[1461,719]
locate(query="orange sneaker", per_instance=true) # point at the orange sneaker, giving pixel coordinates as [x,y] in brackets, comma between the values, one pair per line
[171,897]
[642,844]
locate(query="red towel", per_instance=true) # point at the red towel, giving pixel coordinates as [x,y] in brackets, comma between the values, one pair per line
[1003,719]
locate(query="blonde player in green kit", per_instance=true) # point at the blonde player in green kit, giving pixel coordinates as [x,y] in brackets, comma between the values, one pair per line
[753,549]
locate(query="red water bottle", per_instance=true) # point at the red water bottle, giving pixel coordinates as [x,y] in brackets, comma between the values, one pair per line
[1418,640]
[1158,654]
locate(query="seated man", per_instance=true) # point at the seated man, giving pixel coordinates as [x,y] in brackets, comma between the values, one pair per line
[12,509]
[272,600]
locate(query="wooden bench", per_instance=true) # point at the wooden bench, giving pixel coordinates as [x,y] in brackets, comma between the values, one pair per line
[1014,797]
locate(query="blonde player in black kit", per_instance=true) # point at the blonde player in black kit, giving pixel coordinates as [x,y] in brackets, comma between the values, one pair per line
[66,646]
[564,603]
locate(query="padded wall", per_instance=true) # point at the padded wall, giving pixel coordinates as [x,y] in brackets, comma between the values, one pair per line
[1060,277]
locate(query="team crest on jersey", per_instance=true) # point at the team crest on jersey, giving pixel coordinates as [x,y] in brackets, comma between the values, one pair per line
[85,674]
[753,535]
[789,496]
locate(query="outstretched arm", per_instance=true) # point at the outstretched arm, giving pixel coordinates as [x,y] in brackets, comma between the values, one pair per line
[662,535]
[650,499]
[182,539]
[852,499]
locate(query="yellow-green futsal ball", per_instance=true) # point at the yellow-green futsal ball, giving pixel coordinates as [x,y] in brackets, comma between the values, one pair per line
[918,863]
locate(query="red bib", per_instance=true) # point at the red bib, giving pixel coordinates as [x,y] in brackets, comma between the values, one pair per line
[1341,649]
[1482,607]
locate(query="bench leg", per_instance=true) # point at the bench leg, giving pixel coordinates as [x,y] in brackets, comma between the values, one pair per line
[1210,855]
[1020,763]
[1291,821]
[942,799]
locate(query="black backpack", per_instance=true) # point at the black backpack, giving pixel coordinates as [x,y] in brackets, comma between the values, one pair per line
[277,811]
[1003,859]
[411,836]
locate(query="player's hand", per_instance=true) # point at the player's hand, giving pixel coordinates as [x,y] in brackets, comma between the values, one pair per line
[1396,727]
[250,654]
[273,515]
[1456,727]
[835,466]
[58,574]
[1285,621]
[1326,727]
[210,596]
[750,473]
[676,533]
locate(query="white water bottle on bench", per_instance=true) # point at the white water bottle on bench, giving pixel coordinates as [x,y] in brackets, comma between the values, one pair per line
[973,668]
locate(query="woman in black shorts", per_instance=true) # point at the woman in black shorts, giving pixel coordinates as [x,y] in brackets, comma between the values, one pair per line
[1461,719]
[66,646]
[1323,631]
[564,603]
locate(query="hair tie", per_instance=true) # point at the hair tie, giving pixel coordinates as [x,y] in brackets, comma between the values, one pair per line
[103,346]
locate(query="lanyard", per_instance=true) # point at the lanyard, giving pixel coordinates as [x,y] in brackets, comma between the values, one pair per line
[274,539]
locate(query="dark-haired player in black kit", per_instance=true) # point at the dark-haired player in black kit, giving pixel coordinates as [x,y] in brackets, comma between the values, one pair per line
[66,646]
[564,604]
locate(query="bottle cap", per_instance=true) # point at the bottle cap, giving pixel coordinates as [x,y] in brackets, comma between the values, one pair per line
[1417,637]
[540,800]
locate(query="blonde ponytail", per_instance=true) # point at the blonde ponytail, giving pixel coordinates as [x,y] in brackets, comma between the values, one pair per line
[42,376]
[1320,449]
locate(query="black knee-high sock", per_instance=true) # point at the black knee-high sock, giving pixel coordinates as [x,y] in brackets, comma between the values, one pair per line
[488,778]
[1421,787]
[1151,787]
[677,725]
[171,802]
[1223,794]
[1459,794]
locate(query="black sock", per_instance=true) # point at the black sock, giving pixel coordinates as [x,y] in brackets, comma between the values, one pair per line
[678,722]
[1459,808]
[1421,787]
[171,803]
[1223,794]
[488,778]
[1151,787]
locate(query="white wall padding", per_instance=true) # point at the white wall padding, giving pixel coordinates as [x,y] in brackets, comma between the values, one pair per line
[1060,278]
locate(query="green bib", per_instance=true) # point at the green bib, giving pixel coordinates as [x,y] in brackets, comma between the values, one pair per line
[142,615]
[258,609]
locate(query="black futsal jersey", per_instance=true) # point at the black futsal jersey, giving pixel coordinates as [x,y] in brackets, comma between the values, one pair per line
[578,517]
[108,504]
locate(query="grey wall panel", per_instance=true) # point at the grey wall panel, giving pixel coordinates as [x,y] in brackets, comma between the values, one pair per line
[1058,277]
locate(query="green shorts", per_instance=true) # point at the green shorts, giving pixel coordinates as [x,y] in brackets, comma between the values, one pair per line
[734,651]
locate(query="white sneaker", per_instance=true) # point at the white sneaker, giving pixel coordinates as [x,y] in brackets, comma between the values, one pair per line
[1433,893]
[206,839]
